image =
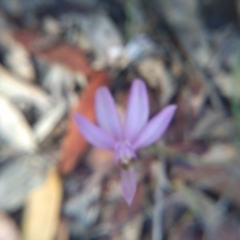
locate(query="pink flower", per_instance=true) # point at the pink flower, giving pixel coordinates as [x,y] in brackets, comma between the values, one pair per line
[125,139]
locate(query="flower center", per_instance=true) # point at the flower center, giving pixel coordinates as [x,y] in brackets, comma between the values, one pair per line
[124,153]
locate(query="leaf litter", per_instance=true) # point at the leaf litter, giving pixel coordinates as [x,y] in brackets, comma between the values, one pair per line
[54,55]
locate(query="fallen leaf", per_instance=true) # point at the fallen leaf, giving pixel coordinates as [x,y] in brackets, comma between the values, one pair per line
[74,144]
[27,38]
[14,129]
[156,75]
[17,58]
[76,61]
[41,215]
[39,45]
[22,92]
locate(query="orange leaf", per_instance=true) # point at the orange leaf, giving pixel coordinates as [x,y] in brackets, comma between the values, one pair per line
[74,144]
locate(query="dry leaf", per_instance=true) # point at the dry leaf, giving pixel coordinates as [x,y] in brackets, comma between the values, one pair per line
[22,92]
[14,129]
[53,52]
[17,58]
[41,216]
[156,75]
[76,61]
[74,143]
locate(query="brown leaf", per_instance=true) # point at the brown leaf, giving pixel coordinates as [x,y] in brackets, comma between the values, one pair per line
[65,54]
[76,60]
[74,143]
[41,216]
[27,38]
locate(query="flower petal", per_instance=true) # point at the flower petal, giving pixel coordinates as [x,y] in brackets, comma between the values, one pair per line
[155,128]
[137,110]
[107,115]
[95,135]
[128,184]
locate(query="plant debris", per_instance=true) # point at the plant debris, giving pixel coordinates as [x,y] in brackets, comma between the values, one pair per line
[54,55]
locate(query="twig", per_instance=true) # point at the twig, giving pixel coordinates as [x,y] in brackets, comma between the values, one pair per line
[163,184]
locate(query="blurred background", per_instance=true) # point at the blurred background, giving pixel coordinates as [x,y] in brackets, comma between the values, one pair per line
[54,54]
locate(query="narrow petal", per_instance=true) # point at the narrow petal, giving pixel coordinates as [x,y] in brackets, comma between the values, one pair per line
[129,184]
[137,110]
[155,128]
[93,134]
[107,115]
